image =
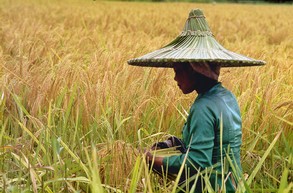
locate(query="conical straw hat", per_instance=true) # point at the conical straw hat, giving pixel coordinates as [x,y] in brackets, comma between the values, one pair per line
[195,44]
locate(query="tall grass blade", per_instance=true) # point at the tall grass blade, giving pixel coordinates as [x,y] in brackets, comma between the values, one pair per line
[284,181]
[33,174]
[70,105]
[32,136]
[147,176]
[2,130]
[223,188]
[284,120]
[260,163]
[20,106]
[75,157]
[181,170]
[289,188]
[96,184]
[252,145]
[135,175]
[81,179]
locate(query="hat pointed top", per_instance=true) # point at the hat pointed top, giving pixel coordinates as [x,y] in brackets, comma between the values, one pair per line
[196,24]
[195,44]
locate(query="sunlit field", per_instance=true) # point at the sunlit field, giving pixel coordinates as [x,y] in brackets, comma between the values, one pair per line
[74,114]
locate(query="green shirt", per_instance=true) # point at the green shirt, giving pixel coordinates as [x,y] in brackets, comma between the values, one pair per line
[201,133]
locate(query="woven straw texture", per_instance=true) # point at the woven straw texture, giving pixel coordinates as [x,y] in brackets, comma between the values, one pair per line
[195,44]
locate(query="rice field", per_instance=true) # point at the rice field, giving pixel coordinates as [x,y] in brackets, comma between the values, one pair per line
[73,114]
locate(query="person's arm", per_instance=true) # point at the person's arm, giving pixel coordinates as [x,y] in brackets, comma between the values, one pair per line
[200,135]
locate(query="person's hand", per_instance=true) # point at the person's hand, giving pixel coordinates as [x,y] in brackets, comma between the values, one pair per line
[148,156]
[154,161]
[163,144]
[155,147]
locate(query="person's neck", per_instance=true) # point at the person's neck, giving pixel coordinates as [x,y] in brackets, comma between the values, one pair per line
[206,86]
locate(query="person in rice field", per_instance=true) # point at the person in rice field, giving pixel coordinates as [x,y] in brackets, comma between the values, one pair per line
[196,58]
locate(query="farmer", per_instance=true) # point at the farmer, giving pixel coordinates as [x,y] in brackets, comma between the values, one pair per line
[196,58]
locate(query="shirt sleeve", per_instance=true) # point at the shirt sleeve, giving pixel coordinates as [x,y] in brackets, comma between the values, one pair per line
[199,138]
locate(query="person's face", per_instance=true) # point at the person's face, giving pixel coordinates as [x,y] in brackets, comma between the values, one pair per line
[184,76]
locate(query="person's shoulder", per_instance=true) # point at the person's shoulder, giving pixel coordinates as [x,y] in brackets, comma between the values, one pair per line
[204,103]
[220,93]
[213,100]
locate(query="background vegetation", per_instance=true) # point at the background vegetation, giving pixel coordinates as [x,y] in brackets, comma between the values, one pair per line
[73,113]
[220,1]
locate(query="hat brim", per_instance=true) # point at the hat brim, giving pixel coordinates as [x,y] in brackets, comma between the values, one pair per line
[195,49]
